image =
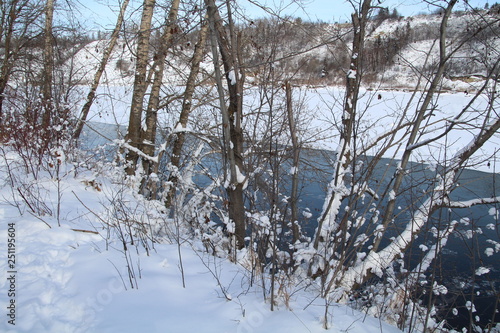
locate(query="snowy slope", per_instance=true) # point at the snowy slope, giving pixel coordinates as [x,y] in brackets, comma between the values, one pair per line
[74,278]
[120,69]
[415,35]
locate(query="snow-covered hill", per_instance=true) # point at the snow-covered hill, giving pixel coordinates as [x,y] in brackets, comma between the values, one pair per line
[397,52]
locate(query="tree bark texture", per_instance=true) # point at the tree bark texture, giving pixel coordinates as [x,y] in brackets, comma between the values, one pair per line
[140,85]
[148,136]
[180,137]
[231,116]
[48,65]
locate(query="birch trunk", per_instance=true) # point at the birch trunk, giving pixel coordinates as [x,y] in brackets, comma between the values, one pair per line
[180,137]
[48,65]
[328,224]
[148,136]
[231,117]
[295,164]
[140,85]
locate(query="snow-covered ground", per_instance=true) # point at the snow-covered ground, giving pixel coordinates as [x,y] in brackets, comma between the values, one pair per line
[63,266]
[75,278]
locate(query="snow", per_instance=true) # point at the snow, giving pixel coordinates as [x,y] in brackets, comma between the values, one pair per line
[307,214]
[439,289]
[240,178]
[232,77]
[74,278]
[470,306]
[324,110]
[180,128]
[78,277]
[482,270]
[423,247]
[351,74]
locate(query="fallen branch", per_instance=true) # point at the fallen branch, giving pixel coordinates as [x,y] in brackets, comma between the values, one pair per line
[86,231]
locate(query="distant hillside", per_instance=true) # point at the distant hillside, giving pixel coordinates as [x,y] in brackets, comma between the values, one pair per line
[397,50]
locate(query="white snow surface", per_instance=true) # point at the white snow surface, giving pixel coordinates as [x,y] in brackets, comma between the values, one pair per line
[67,280]
[377,111]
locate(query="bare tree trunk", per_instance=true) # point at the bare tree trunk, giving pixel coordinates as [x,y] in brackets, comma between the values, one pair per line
[421,114]
[376,260]
[133,136]
[48,65]
[231,117]
[180,137]
[344,155]
[295,164]
[149,135]
[97,77]
[9,16]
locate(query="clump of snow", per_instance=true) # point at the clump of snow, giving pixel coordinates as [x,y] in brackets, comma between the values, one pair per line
[351,74]
[470,306]
[179,128]
[232,77]
[439,289]
[307,214]
[240,177]
[482,270]
[493,212]
[423,247]
[489,251]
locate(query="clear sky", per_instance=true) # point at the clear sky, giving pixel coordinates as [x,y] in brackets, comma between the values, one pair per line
[340,10]
[104,12]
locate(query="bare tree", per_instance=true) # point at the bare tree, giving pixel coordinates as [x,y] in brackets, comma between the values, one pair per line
[148,136]
[180,136]
[294,195]
[17,18]
[48,64]
[356,243]
[231,114]
[133,136]
[344,157]
[102,65]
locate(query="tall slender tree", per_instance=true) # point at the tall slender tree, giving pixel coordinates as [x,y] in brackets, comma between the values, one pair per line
[16,19]
[231,114]
[180,136]
[133,136]
[48,65]
[148,135]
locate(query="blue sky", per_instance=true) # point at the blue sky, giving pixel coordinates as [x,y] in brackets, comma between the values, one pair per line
[104,11]
[340,10]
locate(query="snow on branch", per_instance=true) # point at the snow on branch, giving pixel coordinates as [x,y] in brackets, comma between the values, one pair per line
[139,152]
[486,133]
[470,203]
